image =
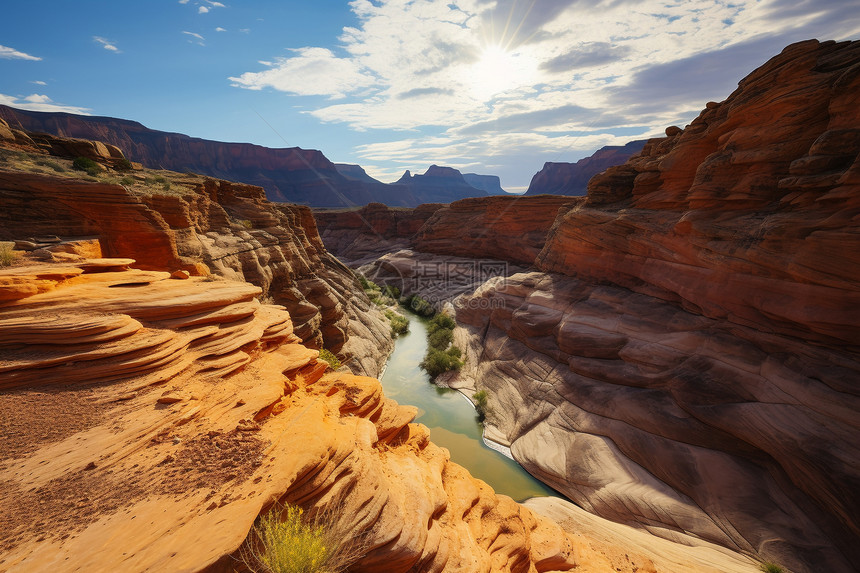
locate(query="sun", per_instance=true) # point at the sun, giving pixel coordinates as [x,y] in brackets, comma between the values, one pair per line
[499,70]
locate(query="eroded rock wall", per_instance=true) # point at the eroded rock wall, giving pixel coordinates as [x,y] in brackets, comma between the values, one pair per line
[227,228]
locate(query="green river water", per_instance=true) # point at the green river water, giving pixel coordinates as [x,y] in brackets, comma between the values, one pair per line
[451,418]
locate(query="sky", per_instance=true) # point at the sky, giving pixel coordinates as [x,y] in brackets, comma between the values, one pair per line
[496,87]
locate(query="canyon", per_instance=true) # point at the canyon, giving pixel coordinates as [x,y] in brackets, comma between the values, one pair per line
[677,350]
[161,387]
[676,353]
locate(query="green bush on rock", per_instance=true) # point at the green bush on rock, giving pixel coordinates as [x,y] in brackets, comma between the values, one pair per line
[399,324]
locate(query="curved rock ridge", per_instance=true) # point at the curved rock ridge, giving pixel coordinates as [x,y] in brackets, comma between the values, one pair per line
[204,225]
[127,466]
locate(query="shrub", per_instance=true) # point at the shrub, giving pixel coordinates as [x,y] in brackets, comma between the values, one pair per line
[399,324]
[419,305]
[438,361]
[7,254]
[246,223]
[127,180]
[288,540]
[328,356]
[440,339]
[481,397]
[442,321]
[771,567]
[85,164]
[391,291]
[367,285]
[122,164]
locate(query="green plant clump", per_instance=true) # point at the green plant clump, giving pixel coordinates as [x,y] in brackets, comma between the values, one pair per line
[287,540]
[440,358]
[399,324]
[328,356]
[419,306]
[86,164]
[771,567]
[123,165]
[481,398]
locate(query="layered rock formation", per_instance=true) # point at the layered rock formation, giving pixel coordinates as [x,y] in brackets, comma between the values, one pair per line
[490,184]
[361,235]
[204,225]
[573,178]
[292,175]
[687,359]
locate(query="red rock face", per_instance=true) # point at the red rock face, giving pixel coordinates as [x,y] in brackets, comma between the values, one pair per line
[572,178]
[507,228]
[746,214]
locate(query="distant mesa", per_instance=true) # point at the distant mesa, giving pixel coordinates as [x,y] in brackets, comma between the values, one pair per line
[572,178]
[446,184]
[489,183]
[288,175]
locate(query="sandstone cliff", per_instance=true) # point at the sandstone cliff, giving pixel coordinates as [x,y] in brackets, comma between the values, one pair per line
[687,359]
[572,178]
[188,222]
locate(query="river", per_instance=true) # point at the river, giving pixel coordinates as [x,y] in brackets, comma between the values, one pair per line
[451,418]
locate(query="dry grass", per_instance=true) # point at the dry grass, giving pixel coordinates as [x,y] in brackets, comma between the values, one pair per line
[7,255]
[287,539]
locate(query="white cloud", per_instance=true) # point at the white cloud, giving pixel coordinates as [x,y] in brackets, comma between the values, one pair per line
[535,74]
[220,29]
[314,71]
[7,53]
[202,10]
[183,1]
[37,102]
[39,83]
[106,44]
[197,38]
